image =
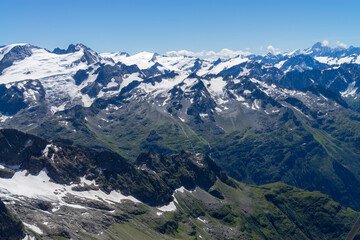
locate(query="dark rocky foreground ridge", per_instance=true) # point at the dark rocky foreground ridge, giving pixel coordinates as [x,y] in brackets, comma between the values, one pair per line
[204,202]
[152,179]
[11,228]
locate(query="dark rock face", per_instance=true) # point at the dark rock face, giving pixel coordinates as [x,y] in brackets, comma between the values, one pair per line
[335,79]
[59,51]
[6,173]
[106,74]
[17,53]
[10,227]
[300,105]
[17,97]
[71,48]
[183,169]
[301,63]
[317,90]
[17,148]
[80,76]
[89,56]
[256,70]
[11,100]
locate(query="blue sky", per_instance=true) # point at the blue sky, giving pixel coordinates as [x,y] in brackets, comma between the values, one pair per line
[164,25]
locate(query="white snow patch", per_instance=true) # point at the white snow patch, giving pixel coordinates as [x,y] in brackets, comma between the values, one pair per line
[247,92]
[246,104]
[218,109]
[87,101]
[171,207]
[28,237]
[3,118]
[350,91]
[337,61]
[216,86]
[129,79]
[227,64]
[105,120]
[71,205]
[29,93]
[202,220]
[256,104]
[165,85]
[112,83]
[84,181]
[238,98]
[245,72]
[179,63]
[47,147]
[55,109]
[117,56]
[280,64]
[203,115]
[181,189]
[22,184]
[198,159]
[33,228]
[143,60]
[64,123]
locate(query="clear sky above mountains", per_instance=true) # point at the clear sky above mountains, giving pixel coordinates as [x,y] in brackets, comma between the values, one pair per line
[165,25]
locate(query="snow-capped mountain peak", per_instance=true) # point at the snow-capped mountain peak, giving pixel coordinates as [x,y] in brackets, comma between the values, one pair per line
[80,76]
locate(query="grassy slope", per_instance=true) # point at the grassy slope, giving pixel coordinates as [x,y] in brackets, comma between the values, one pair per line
[273,211]
[322,157]
[128,136]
